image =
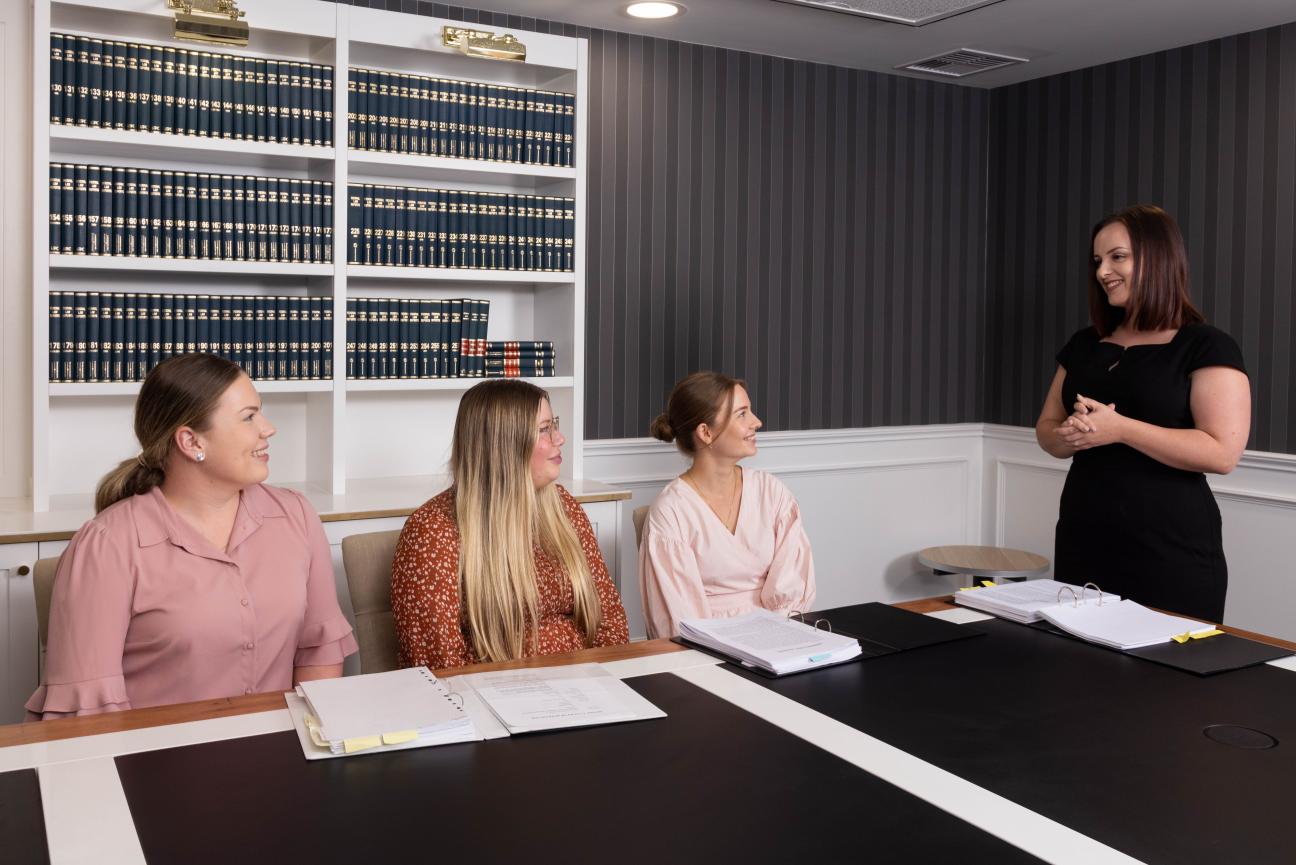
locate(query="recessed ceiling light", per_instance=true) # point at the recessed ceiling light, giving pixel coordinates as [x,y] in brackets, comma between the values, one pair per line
[654,9]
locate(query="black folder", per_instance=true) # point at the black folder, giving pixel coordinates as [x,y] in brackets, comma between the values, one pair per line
[884,630]
[1205,657]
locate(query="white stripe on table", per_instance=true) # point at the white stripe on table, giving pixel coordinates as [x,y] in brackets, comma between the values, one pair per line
[86,816]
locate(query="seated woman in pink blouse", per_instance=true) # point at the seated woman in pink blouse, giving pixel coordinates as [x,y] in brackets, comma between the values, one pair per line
[193,580]
[720,540]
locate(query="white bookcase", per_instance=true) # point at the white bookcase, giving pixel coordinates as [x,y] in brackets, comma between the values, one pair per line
[330,432]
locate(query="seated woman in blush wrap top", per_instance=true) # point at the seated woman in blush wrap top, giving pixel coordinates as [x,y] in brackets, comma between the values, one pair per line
[720,540]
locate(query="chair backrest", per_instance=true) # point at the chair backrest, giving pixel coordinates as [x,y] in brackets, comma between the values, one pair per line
[367,559]
[43,585]
[639,515]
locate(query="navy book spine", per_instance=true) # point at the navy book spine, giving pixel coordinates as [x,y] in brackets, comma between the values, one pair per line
[81,64]
[56,207]
[80,208]
[326,339]
[94,201]
[56,105]
[226,215]
[153,331]
[274,103]
[79,343]
[118,210]
[94,70]
[351,337]
[257,116]
[55,336]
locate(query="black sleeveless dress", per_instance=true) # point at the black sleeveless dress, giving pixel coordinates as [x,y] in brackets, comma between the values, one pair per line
[1127,522]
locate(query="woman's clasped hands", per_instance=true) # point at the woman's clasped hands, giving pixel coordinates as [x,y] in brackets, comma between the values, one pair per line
[1092,424]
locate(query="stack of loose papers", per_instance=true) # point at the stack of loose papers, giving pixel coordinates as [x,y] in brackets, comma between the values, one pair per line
[398,709]
[770,642]
[1024,602]
[1123,625]
[552,698]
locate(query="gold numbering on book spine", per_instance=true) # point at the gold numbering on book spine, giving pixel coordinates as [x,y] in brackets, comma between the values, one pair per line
[483,43]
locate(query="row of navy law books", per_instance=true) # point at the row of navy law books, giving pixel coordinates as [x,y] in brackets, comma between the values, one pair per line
[111,210]
[396,337]
[111,84]
[408,227]
[118,337]
[526,358]
[403,113]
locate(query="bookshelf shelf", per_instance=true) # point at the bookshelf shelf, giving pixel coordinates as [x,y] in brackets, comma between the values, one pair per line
[360,385]
[402,166]
[333,431]
[218,154]
[186,265]
[131,388]
[459,274]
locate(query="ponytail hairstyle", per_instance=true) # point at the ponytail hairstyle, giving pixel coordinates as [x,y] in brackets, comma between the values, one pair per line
[1158,295]
[180,391]
[697,399]
[501,515]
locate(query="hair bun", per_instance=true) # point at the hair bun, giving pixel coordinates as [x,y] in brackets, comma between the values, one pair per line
[661,429]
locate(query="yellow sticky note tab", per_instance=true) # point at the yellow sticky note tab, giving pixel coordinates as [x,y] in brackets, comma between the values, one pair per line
[988,583]
[1182,638]
[968,588]
[360,743]
[1201,635]
[399,738]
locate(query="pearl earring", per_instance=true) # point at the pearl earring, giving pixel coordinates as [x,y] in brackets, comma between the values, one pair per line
[200,456]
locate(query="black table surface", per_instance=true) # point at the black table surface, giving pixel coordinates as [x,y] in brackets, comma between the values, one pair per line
[22,819]
[711,783]
[1107,744]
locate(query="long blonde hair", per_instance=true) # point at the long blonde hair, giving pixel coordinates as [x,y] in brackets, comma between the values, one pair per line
[501,515]
[180,391]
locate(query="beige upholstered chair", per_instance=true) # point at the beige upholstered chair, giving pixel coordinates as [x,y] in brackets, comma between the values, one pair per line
[639,515]
[367,559]
[43,588]
[43,584]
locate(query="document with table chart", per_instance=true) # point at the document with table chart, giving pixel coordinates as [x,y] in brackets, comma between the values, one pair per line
[552,698]
[770,641]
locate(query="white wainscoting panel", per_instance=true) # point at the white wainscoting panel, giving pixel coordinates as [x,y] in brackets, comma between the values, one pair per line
[871,499]
[1257,503]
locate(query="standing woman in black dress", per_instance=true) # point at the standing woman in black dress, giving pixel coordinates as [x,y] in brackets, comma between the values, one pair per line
[1145,401]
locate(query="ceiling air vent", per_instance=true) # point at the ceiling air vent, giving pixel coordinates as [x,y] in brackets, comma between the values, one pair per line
[915,13]
[961,63]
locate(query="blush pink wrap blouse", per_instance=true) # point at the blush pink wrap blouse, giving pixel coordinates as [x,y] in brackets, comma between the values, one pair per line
[691,566]
[147,612]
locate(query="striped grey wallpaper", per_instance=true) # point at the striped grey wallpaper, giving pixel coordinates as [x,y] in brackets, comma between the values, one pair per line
[1208,132]
[817,230]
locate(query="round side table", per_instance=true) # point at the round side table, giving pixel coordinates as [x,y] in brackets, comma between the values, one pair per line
[989,562]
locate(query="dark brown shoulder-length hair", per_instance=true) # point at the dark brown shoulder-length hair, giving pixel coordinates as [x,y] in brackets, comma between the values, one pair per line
[700,398]
[1158,296]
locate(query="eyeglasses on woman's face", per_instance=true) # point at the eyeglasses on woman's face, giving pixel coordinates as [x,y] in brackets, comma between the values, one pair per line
[549,430]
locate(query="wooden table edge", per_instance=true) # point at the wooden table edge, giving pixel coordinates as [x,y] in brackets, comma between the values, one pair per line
[35,732]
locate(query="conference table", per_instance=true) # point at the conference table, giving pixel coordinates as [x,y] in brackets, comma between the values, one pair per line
[1012,745]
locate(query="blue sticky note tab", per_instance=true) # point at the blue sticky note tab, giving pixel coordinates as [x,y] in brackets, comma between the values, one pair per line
[814,659]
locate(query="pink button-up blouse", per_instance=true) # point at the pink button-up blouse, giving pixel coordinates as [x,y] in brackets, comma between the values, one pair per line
[691,566]
[147,612]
